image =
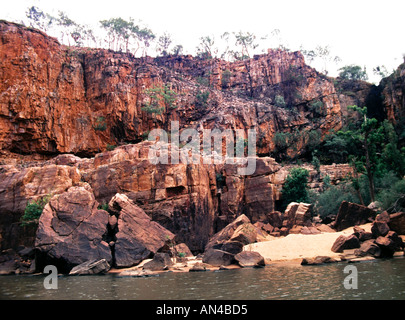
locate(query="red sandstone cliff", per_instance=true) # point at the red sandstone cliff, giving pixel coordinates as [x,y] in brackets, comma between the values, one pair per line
[54,97]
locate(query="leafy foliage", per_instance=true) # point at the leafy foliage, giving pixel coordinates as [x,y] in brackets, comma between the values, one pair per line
[157,96]
[33,210]
[279,101]
[295,187]
[226,78]
[201,98]
[100,125]
[353,72]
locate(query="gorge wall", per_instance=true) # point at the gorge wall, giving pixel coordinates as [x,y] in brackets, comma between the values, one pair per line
[67,105]
[57,99]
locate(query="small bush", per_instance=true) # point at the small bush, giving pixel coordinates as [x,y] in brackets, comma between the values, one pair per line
[328,202]
[110,147]
[279,101]
[33,210]
[100,125]
[226,78]
[201,98]
[103,206]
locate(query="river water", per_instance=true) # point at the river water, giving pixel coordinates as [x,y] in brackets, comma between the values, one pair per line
[382,279]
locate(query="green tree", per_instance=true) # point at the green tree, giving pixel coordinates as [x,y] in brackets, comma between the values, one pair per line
[177,50]
[353,72]
[163,44]
[160,98]
[246,42]
[370,137]
[206,49]
[67,26]
[295,187]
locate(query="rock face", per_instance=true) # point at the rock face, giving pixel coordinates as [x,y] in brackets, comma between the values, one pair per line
[298,214]
[393,92]
[138,237]
[71,230]
[59,99]
[20,185]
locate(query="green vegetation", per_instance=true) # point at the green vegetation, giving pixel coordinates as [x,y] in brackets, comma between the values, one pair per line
[100,125]
[373,150]
[160,98]
[206,49]
[33,210]
[110,147]
[295,187]
[353,72]
[279,101]
[103,206]
[226,78]
[201,98]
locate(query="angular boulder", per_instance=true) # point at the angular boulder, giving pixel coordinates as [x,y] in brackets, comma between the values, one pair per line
[386,245]
[159,262]
[138,237]
[368,248]
[236,234]
[397,222]
[218,258]
[352,214]
[344,243]
[379,228]
[250,259]
[70,231]
[298,214]
[362,234]
[91,267]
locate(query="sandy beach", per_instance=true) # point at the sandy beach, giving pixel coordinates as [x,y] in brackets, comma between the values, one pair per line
[298,246]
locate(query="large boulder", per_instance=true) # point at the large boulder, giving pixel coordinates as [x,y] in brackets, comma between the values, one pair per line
[379,228]
[218,258]
[344,243]
[159,262]
[18,186]
[138,237]
[298,214]
[368,248]
[386,245]
[71,230]
[250,259]
[397,222]
[352,214]
[232,238]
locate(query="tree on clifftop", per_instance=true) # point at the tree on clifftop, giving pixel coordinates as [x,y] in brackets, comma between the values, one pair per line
[353,72]
[246,42]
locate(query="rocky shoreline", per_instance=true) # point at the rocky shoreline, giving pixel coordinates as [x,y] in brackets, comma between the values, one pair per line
[134,245]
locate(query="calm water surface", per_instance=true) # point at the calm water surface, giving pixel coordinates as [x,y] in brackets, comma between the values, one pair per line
[383,279]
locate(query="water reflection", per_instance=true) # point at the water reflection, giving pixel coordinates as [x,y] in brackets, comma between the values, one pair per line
[376,280]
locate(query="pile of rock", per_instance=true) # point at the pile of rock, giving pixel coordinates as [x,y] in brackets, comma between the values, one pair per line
[297,218]
[381,242]
[226,246]
[21,261]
